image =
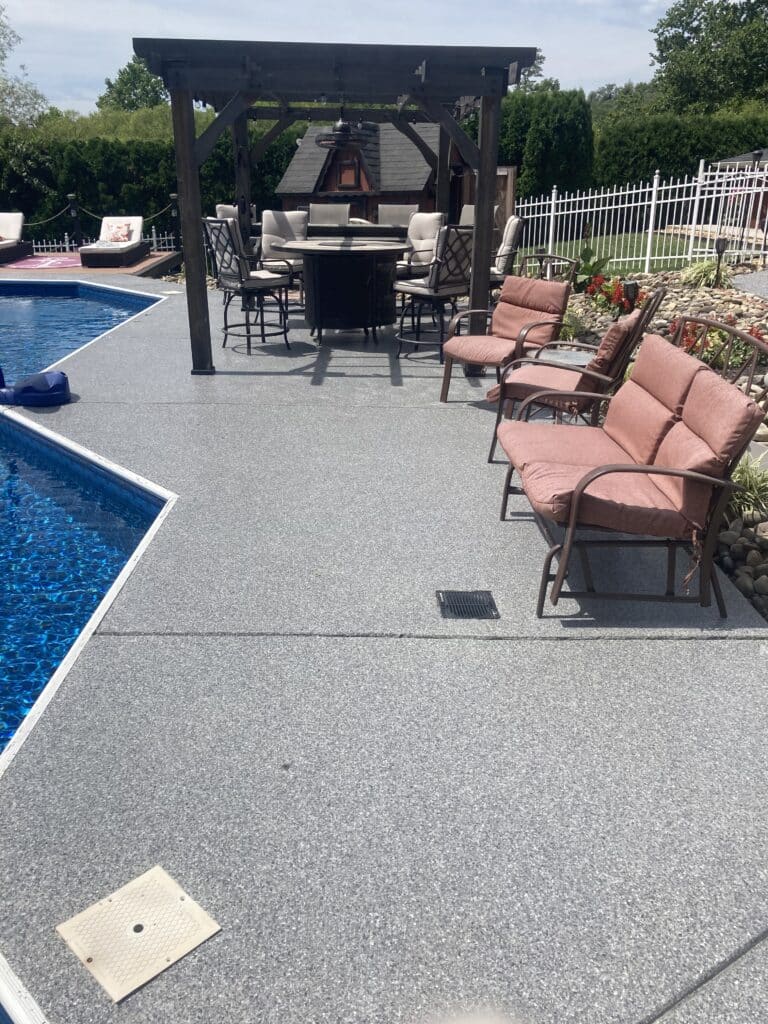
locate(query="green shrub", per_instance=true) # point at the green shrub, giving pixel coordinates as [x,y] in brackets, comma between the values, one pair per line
[632,148]
[704,275]
[753,498]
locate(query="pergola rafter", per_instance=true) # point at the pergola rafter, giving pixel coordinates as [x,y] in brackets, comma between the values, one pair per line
[400,84]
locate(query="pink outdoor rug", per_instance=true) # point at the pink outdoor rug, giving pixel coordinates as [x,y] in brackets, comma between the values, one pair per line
[54,261]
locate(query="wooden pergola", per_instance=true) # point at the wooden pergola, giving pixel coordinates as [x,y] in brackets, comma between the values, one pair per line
[401,84]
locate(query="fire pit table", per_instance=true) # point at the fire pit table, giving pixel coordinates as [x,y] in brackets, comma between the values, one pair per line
[348,284]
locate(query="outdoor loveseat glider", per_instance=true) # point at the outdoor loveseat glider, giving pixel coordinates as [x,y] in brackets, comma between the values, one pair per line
[120,244]
[550,372]
[658,469]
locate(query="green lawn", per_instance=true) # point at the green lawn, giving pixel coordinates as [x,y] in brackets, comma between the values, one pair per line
[670,251]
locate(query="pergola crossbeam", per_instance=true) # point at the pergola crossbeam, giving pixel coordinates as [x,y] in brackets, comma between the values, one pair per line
[205,142]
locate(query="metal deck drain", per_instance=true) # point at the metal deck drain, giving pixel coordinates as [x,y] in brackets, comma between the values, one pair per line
[467,604]
[133,935]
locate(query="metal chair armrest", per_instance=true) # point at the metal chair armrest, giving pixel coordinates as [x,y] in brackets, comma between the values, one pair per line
[581,370]
[578,345]
[488,313]
[537,395]
[634,467]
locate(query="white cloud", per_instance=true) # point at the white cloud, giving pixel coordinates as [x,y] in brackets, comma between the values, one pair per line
[70,48]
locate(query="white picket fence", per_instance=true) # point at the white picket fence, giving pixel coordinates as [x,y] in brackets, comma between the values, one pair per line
[160,241]
[657,225]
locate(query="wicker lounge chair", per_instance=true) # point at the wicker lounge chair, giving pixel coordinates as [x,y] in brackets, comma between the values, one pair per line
[119,245]
[543,372]
[237,279]
[657,471]
[11,246]
[529,314]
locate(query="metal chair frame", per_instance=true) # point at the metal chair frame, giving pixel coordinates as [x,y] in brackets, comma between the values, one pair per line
[233,269]
[722,488]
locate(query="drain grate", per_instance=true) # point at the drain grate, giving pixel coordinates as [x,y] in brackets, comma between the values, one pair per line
[467,604]
[133,935]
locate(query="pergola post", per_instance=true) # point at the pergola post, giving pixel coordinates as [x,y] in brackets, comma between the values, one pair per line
[182,113]
[485,196]
[242,176]
[443,183]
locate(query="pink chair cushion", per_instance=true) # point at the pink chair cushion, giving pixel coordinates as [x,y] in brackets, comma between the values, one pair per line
[524,301]
[527,379]
[718,421]
[611,346]
[627,502]
[481,348]
[525,443]
[645,407]
[665,371]
[720,414]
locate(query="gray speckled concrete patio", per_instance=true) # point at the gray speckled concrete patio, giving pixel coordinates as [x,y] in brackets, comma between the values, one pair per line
[389,814]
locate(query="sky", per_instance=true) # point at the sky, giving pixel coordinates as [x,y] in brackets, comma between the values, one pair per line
[70,47]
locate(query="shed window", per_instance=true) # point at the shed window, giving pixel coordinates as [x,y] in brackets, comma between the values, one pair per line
[348,174]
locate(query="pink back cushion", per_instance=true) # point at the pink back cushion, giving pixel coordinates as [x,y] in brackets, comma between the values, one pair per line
[524,300]
[612,344]
[718,421]
[644,409]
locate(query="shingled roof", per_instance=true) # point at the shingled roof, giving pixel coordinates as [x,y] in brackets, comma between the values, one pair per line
[392,161]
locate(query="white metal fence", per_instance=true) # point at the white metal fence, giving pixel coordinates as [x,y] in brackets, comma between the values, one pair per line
[160,241]
[657,225]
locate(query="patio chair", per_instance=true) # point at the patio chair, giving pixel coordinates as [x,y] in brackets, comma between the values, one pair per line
[237,279]
[467,215]
[396,214]
[329,214]
[423,229]
[549,370]
[278,226]
[657,471]
[11,246]
[529,314]
[504,262]
[119,245]
[447,280]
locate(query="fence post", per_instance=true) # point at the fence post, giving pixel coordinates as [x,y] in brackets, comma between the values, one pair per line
[552,216]
[652,221]
[73,213]
[175,221]
[696,208]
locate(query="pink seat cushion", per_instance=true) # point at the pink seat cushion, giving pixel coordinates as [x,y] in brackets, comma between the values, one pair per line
[481,348]
[525,443]
[611,346]
[527,379]
[645,407]
[627,502]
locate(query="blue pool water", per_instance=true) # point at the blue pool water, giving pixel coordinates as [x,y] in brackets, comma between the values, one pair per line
[43,321]
[67,528]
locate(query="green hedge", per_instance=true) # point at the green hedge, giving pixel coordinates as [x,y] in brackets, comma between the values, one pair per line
[631,149]
[118,177]
[548,134]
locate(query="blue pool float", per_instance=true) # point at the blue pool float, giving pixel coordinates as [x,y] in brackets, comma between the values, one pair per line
[39,389]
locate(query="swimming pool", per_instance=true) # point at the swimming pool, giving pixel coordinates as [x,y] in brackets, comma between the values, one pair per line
[67,529]
[43,321]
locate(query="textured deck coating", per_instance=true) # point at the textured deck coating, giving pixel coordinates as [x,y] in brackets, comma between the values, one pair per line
[390,814]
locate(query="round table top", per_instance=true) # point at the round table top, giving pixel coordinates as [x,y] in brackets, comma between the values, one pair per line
[343,247]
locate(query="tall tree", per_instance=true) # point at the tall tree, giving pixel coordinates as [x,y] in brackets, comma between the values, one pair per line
[712,53]
[20,101]
[134,87]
